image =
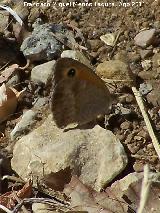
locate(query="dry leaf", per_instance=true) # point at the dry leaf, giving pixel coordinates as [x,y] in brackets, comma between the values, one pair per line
[8,199]
[108,39]
[132,194]
[8,72]
[86,199]
[8,102]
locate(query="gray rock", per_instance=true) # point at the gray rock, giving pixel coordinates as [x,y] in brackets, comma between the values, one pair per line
[145,38]
[120,109]
[26,122]
[146,64]
[145,88]
[40,102]
[42,73]
[42,45]
[95,155]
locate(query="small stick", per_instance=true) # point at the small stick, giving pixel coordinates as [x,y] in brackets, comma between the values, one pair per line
[4,65]
[115,44]
[40,200]
[147,121]
[12,178]
[26,66]
[145,189]
[19,201]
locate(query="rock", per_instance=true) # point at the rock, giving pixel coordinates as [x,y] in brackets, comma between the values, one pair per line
[144,134]
[95,155]
[145,38]
[42,208]
[145,88]
[26,122]
[119,109]
[41,44]
[40,102]
[4,19]
[95,44]
[42,73]
[34,14]
[126,125]
[115,70]
[154,96]
[129,138]
[146,64]
[156,24]
[76,55]
[145,75]
[126,98]
[146,53]
[156,60]
[138,166]
[133,148]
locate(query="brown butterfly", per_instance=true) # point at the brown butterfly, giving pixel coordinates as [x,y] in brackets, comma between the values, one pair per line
[78,95]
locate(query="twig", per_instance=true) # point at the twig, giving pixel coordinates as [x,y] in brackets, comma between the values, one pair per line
[12,178]
[40,200]
[4,65]
[19,201]
[5,209]
[13,13]
[145,189]
[115,44]
[147,121]
[26,66]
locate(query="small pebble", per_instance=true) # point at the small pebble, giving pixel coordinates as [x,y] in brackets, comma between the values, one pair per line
[145,88]
[129,138]
[145,38]
[28,119]
[150,146]
[146,53]
[138,138]
[126,125]
[138,166]
[146,64]
[133,149]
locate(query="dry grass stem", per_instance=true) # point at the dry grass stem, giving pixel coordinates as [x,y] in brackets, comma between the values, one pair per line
[145,189]
[147,121]
[5,209]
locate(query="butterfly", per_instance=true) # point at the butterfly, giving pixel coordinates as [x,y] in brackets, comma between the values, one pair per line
[78,94]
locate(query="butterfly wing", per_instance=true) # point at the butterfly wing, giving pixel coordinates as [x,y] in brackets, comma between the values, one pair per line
[63,104]
[77,99]
[91,101]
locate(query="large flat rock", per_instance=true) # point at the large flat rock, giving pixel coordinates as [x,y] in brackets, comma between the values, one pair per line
[95,155]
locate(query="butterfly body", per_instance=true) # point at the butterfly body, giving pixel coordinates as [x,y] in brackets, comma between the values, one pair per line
[78,94]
